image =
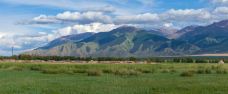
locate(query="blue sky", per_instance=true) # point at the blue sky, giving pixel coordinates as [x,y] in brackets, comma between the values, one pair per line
[28,24]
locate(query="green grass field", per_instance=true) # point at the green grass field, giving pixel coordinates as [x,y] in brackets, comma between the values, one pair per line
[18,78]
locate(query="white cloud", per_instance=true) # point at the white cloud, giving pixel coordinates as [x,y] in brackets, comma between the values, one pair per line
[94,27]
[221,10]
[187,15]
[84,17]
[168,25]
[71,17]
[64,31]
[20,42]
[192,16]
[45,19]
[140,18]
[79,28]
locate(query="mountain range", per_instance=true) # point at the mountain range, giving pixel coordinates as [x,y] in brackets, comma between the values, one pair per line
[127,41]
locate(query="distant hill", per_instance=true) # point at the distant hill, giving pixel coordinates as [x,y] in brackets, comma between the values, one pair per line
[129,41]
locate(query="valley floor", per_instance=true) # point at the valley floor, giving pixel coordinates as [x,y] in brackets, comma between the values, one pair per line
[173,78]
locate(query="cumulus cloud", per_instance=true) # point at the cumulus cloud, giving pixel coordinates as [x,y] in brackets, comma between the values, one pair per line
[220,13]
[43,19]
[20,42]
[79,28]
[71,17]
[187,15]
[84,17]
[192,16]
[136,19]
[94,27]
[168,25]
[221,10]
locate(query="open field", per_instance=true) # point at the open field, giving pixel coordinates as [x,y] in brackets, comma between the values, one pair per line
[172,78]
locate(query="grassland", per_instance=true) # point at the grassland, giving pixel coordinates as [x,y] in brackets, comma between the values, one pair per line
[173,78]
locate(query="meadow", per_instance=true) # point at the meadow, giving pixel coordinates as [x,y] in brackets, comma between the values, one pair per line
[163,78]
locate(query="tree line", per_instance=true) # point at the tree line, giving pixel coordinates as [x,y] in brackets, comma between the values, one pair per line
[149,59]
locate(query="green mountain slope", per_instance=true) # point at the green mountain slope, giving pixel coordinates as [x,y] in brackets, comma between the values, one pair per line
[130,41]
[211,39]
[120,42]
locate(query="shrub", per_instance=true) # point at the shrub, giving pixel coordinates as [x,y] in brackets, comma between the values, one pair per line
[94,73]
[165,71]
[208,71]
[35,68]
[187,74]
[145,70]
[193,71]
[221,71]
[108,70]
[122,72]
[4,66]
[53,71]
[205,71]
[200,71]
[214,67]
[79,71]
[16,68]
[69,72]
[134,73]
[173,70]
[125,72]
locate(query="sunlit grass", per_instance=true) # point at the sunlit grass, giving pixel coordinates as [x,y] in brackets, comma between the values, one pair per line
[172,78]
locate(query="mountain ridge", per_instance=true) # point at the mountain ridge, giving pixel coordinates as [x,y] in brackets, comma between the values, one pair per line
[129,41]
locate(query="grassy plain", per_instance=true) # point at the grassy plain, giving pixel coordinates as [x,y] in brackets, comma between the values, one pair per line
[172,78]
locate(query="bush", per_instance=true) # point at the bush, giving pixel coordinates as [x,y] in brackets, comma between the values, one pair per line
[214,67]
[173,70]
[208,71]
[165,71]
[94,73]
[79,71]
[69,72]
[200,71]
[193,71]
[16,68]
[35,68]
[125,72]
[205,71]
[221,71]
[53,71]
[145,70]
[122,72]
[108,70]
[187,74]
[134,73]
